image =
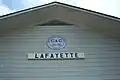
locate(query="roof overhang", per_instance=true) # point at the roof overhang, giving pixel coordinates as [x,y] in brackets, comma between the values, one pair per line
[62,12]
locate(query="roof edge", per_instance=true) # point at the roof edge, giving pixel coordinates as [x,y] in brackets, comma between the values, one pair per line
[60,3]
[8,15]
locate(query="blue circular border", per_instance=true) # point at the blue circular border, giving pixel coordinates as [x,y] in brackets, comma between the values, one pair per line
[65,41]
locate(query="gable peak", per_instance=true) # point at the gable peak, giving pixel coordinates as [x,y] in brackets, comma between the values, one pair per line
[56,3]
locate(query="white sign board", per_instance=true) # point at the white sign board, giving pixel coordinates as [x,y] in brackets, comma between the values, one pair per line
[52,56]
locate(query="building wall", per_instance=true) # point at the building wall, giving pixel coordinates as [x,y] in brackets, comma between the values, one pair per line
[101,62]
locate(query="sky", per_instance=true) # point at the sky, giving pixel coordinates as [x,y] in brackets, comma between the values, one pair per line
[110,7]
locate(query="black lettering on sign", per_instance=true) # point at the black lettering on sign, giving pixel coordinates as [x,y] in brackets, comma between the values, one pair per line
[41,56]
[46,55]
[61,55]
[66,55]
[52,56]
[36,56]
[71,54]
[56,55]
[76,55]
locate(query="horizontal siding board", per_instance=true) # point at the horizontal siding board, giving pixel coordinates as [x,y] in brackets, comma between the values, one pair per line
[87,62]
[54,78]
[51,75]
[89,65]
[45,69]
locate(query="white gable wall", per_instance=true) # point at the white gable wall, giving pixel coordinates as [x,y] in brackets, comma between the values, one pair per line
[101,62]
[58,11]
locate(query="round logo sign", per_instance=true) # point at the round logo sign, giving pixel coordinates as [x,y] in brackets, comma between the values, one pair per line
[56,42]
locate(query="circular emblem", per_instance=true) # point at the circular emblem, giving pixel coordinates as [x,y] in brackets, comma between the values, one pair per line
[56,42]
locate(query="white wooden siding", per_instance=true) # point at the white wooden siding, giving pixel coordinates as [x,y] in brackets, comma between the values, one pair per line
[101,63]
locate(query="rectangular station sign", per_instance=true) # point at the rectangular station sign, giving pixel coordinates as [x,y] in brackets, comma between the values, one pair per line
[52,56]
